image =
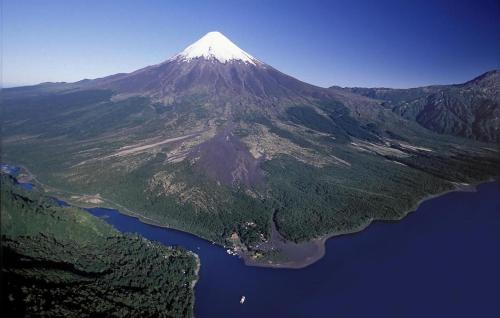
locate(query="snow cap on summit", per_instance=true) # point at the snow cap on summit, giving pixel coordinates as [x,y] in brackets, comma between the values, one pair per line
[214,45]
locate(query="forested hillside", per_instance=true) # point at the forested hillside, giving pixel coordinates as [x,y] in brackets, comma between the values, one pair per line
[60,261]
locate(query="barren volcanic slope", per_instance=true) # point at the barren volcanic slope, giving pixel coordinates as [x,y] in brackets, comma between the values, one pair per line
[220,144]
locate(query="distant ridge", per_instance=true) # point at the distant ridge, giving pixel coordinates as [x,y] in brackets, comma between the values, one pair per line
[470,109]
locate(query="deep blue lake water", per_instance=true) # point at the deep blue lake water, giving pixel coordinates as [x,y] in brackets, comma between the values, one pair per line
[441,261]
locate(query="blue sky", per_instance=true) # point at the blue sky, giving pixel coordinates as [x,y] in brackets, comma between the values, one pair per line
[347,43]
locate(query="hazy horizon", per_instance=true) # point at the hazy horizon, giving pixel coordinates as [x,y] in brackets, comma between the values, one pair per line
[387,44]
[6,85]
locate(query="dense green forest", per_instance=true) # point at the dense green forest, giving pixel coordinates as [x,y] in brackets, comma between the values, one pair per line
[61,261]
[325,164]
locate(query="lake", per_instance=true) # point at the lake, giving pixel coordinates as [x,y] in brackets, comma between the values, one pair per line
[441,261]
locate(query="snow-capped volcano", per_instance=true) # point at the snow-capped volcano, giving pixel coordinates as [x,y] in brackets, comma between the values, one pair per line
[214,45]
[212,66]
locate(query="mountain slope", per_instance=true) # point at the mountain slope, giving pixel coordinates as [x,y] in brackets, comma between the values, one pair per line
[469,110]
[217,143]
[211,65]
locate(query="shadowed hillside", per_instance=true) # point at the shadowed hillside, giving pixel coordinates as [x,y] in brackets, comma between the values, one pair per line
[60,261]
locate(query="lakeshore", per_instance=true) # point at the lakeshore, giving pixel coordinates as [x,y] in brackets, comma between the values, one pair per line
[429,248]
[301,255]
[296,255]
